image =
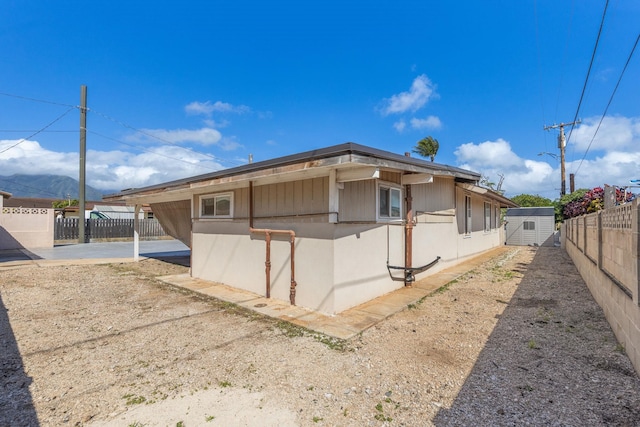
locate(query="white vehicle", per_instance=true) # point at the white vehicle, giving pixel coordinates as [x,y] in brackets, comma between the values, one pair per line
[94,215]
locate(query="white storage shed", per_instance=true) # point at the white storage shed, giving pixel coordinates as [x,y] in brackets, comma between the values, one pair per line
[530,226]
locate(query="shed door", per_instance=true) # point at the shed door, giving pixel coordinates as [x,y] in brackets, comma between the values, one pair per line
[530,231]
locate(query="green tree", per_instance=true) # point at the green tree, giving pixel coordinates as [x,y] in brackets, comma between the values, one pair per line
[531,201]
[427,147]
[59,204]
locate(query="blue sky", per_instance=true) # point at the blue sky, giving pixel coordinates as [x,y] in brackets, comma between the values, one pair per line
[177,89]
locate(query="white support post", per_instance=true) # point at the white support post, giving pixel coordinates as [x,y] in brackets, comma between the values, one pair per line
[136,233]
[334,197]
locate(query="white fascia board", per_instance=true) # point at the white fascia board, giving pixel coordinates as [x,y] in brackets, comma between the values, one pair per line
[417,178]
[357,173]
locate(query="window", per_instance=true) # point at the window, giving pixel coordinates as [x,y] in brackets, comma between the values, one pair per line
[389,202]
[487,216]
[216,206]
[529,225]
[467,216]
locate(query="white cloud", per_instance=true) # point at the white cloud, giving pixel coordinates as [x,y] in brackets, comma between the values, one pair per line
[29,157]
[495,158]
[615,133]
[207,108]
[422,90]
[204,136]
[431,123]
[217,124]
[400,125]
[108,170]
[488,153]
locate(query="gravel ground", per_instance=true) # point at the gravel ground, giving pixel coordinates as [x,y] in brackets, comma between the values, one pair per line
[517,341]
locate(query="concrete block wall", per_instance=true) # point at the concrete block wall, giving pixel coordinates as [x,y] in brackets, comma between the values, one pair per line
[612,277]
[22,228]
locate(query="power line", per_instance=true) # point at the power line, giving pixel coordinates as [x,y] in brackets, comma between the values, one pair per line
[39,131]
[156,137]
[31,130]
[26,98]
[586,80]
[153,152]
[609,103]
[114,120]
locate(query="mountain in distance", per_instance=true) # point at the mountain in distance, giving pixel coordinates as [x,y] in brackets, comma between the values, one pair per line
[47,186]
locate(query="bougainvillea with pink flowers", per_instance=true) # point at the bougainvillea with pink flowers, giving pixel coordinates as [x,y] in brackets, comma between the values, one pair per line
[592,201]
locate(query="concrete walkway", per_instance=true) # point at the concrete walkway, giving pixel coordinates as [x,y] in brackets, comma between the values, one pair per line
[92,253]
[346,324]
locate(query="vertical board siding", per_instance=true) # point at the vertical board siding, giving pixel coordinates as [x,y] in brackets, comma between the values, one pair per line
[358,201]
[388,176]
[306,197]
[436,196]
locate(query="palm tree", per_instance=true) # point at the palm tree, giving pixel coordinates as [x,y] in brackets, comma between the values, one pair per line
[427,147]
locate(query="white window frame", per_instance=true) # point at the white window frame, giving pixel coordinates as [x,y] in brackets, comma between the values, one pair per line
[392,189]
[215,197]
[487,216]
[529,225]
[468,217]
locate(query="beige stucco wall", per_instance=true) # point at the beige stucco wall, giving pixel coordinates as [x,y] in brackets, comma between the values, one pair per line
[26,228]
[225,252]
[338,266]
[360,262]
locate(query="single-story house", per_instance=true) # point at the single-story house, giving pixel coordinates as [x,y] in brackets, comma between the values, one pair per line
[531,226]
[327,229]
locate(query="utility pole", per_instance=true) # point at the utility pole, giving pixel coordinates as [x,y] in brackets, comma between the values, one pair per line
[561,146]
[572,182]
[83,162]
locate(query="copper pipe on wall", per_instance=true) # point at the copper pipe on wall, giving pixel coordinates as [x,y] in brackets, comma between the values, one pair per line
[268,232]
[267,263]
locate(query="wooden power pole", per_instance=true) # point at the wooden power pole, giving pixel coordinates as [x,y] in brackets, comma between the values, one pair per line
[561,145]
[83,163]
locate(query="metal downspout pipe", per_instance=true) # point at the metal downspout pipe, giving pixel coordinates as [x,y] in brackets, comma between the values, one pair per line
[408,237]
[268,232]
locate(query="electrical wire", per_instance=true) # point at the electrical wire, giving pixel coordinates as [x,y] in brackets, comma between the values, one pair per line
[609,103]
[107,117]
[31,130]
[151,135]
[154,152]
[586,80]
[39,131]
[26,98]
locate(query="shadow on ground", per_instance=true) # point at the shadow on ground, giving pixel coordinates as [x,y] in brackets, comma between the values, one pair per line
[16,403]
[178,258]
[551,359]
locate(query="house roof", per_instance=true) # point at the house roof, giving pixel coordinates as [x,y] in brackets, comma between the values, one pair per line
[5,195]
[503,201]
[302,164]
[532,211]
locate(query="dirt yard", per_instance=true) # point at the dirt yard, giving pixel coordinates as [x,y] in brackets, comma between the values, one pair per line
[517,341]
